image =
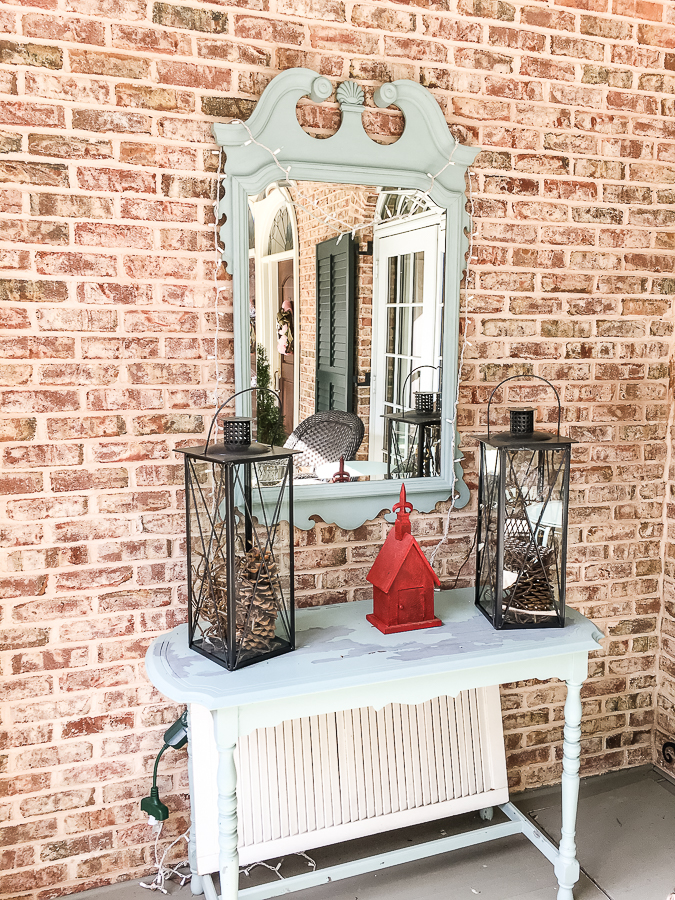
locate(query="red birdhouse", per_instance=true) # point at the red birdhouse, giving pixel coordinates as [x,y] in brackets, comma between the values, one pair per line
[403,581]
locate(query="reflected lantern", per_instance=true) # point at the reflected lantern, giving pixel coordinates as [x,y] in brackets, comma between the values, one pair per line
[523,499]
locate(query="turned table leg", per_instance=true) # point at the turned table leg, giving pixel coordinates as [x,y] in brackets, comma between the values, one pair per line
[567,867]
[196,885]
[226,740]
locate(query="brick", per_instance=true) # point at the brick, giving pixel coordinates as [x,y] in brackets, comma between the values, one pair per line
[564,46]
[115,64]
[119,181]
[115,121]
[488,9]
[145,267]
[227,107]
[326,37]
[33,173]
[73,320]
[68,148]
[163,424]
[161,99]
[257,28]
[366,16]
[83,264]
[120,348]
[32,115]
[50,803]
[10,142]
[38,455]
[214,78]
[30,55]
[82,479]
[27,832]
[123,398]
[85,427]
[134,37]
[537,67]
[62,28]
[60,87]
[189,18]
[20,291]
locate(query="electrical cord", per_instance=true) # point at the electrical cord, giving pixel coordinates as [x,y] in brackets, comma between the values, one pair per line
[467,558]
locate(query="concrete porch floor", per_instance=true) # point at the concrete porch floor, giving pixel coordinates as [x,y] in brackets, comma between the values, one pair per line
[625,837]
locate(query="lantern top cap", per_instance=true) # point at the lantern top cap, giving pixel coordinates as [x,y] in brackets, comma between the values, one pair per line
[539,440]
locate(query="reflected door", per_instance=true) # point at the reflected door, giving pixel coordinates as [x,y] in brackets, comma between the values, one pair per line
[407,319]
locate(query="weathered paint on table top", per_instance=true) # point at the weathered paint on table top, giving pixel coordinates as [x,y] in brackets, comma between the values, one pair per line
[338,649]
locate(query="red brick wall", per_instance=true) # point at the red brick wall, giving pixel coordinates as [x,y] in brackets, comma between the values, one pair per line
[107,301]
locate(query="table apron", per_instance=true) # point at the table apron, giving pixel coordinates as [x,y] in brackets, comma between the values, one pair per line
[566,667]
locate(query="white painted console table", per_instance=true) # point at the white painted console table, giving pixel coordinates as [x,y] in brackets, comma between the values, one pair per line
[343,663]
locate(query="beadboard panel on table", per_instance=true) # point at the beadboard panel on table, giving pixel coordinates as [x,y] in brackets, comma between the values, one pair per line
[329,778]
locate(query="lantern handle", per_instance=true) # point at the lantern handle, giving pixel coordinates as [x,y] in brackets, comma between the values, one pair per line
[222,406]
[512,378]
[410,375]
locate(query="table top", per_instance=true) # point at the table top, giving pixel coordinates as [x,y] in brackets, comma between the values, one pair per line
[337,648]
[414,417]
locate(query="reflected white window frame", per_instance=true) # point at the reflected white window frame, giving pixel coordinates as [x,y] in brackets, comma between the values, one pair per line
[428,220]
[265,208]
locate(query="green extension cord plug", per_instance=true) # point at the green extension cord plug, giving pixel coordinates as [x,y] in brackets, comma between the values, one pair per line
[176,737]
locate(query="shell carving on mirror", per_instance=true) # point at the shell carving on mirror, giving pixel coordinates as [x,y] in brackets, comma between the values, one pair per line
[349,93]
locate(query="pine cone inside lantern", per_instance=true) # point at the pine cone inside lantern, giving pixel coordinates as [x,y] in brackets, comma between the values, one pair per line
[532,591]
[258,601]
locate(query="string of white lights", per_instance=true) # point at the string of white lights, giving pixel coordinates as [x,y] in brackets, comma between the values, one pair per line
[309,205]
[219,288]
[165,872]
[464,342]
[246,870]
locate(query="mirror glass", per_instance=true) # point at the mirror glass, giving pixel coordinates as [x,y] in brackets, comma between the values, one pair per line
[347,316]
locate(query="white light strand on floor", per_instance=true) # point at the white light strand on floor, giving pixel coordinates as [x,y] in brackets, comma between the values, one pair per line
[165,872]
[246,870]
[464,343]
[310,206]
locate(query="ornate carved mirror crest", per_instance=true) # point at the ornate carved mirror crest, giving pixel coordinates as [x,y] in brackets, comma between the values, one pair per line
[346,257]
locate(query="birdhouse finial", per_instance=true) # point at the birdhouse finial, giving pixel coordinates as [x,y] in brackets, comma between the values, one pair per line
[402,510]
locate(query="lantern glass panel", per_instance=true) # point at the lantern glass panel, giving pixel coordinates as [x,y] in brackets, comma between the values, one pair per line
[521,559]
[240,560]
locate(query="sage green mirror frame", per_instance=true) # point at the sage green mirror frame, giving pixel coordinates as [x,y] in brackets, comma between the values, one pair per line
[350,157]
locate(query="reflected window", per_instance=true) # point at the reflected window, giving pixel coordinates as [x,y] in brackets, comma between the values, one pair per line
[398,203]
[281,233]
[251,230]
[407,334]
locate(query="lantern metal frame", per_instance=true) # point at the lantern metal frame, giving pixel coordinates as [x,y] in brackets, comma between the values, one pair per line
[493,597]
[241,509]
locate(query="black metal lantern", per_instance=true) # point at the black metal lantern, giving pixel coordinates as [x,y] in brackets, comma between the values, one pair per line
[413,436]
[523,498]
[239,506]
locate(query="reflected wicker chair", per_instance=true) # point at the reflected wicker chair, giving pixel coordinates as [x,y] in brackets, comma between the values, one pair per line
[325,437]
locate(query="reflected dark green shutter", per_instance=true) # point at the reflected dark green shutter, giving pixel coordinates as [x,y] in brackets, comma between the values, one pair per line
[335,302]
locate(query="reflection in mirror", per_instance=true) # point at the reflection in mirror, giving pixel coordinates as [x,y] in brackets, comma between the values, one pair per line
[350,316]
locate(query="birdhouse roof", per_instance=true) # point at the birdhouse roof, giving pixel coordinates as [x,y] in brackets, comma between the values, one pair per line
[390,559]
